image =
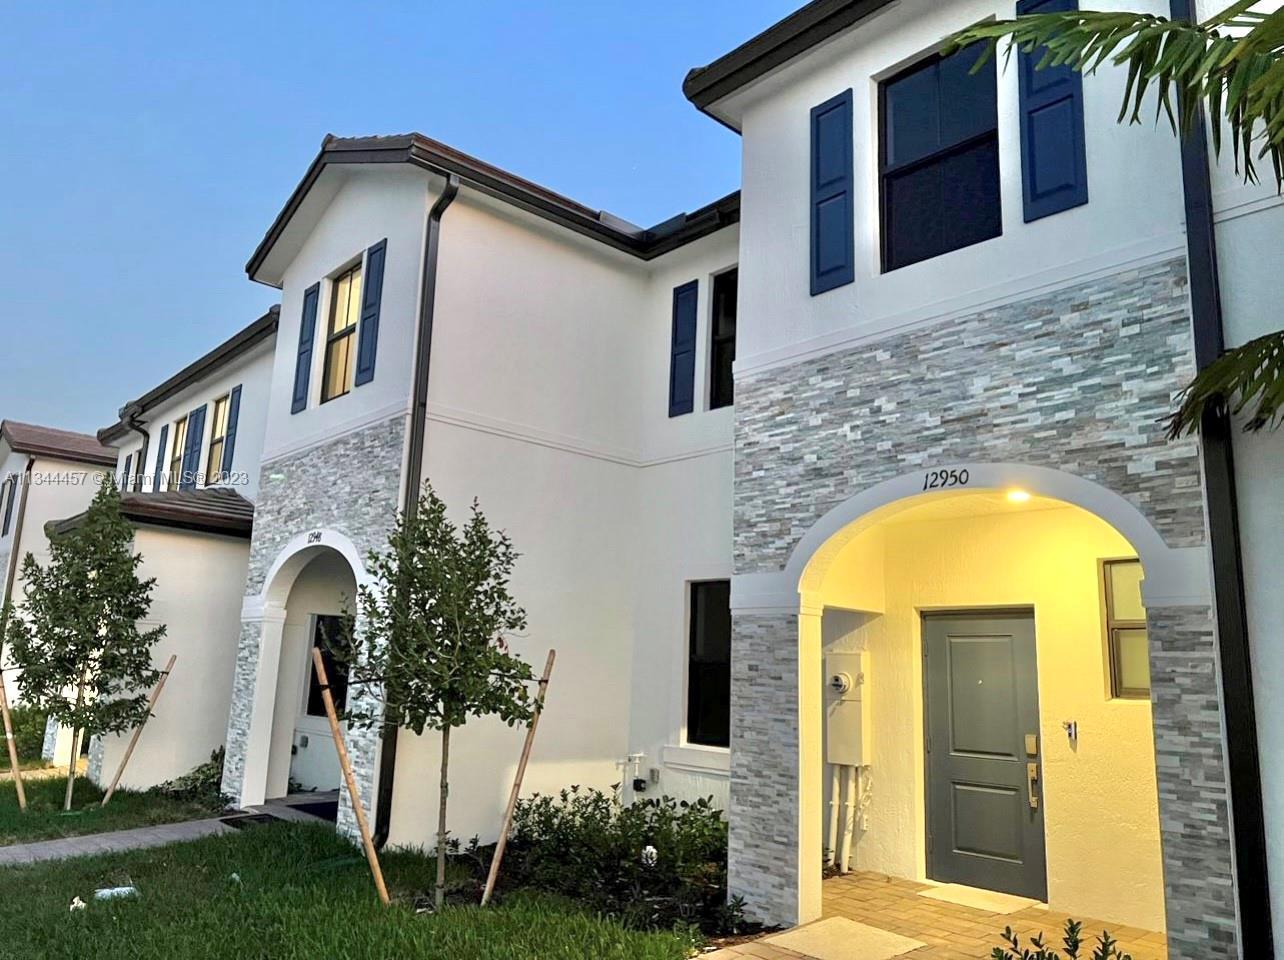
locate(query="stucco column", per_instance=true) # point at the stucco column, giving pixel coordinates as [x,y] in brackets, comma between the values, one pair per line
[249,726]
[774,855]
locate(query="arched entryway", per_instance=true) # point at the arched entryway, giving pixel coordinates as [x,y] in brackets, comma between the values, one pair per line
[890,575]
[278,737]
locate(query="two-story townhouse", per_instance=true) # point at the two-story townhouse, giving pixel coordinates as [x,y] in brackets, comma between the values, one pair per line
[981,603]
[45,473]
[444,320]
[186,455]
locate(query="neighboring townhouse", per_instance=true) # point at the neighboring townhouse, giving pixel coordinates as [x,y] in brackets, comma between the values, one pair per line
[187,457]
[44,475]
[561,393]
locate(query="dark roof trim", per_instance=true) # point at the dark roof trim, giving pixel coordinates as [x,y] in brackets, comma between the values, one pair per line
[59,444]
[218,511]
[225,352]
[775,46]
[443,160]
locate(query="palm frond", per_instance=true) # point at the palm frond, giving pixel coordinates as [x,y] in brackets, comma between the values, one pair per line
[1247,379]
[1232,65]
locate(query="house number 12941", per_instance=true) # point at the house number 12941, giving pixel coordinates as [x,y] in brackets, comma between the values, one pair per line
[944,479]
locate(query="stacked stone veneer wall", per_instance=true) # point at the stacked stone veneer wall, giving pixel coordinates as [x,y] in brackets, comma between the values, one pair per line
[351,485]
[1077,380]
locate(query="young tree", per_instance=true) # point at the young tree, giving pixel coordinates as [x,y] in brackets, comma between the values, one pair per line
[76,639]
[431,636]
[1230,66]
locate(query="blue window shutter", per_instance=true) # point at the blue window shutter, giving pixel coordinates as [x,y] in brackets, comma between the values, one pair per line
[1054,164]
[11,489]
[833,216]
[682,350]
[129,467]
[303,363]
[192,449]
[368,326]
[229,440]
[160,459]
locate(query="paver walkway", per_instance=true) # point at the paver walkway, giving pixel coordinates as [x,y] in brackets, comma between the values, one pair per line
[949,930]
[140,838]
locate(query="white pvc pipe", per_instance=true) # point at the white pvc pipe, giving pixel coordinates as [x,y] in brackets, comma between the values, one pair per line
[831,839]
[849,818]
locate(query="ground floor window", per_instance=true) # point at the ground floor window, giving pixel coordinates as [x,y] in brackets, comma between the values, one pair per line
[709,665]
[1126,630]
[329,629]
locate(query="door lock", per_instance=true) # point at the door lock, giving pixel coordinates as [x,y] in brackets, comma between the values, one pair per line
[1032,774]
[1031,744]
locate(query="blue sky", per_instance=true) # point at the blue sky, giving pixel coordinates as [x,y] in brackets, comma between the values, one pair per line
[148,146]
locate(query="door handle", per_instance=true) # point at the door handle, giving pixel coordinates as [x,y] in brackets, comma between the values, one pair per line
[1032,775]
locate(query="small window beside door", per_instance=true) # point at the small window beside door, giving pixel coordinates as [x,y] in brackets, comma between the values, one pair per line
[709,665]
[1126,636]
[329,631]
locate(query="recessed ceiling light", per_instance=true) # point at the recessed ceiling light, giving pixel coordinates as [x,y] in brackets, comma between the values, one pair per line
[1018,496]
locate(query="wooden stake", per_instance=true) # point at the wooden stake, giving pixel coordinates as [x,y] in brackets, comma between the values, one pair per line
[75,743]
[517,781]
[138,730]
[346,764]
[13,746]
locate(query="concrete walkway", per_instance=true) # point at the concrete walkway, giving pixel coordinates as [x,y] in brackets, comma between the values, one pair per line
[93,844]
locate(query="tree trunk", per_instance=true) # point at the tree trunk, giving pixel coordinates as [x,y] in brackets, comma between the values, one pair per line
[441,819]
[75,743]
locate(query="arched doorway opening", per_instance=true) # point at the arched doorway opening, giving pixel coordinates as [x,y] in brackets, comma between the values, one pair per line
[785,617]
[987,723]
[303,766]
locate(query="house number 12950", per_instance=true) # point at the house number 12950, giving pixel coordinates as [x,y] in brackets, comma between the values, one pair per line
[944,479]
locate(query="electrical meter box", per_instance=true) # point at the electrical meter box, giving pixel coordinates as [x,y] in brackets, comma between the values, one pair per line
[847,710]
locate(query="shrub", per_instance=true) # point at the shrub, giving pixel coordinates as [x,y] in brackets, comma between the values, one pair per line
[28,732]
[656,864]
[202,785]
[1107,947]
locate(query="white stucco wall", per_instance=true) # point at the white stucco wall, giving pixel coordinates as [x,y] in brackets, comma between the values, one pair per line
[200,579]
[548,401]
[370,206]
[252,372]
[1134,214]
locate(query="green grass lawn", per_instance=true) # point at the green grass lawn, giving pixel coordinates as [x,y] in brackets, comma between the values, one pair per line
[44,819]
[288,892]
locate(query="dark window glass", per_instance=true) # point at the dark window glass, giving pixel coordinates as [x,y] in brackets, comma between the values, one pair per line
[723,349]
[709,669]
[329,630]
[940,159]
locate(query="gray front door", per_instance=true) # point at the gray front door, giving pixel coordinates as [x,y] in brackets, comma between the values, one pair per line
[984,784]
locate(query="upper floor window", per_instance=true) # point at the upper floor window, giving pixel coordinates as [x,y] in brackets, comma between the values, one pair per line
[1126,634]
[939,163]
[218,437]
[722,349]
[709,665]
[341,332]
[179,443]
[8,493]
